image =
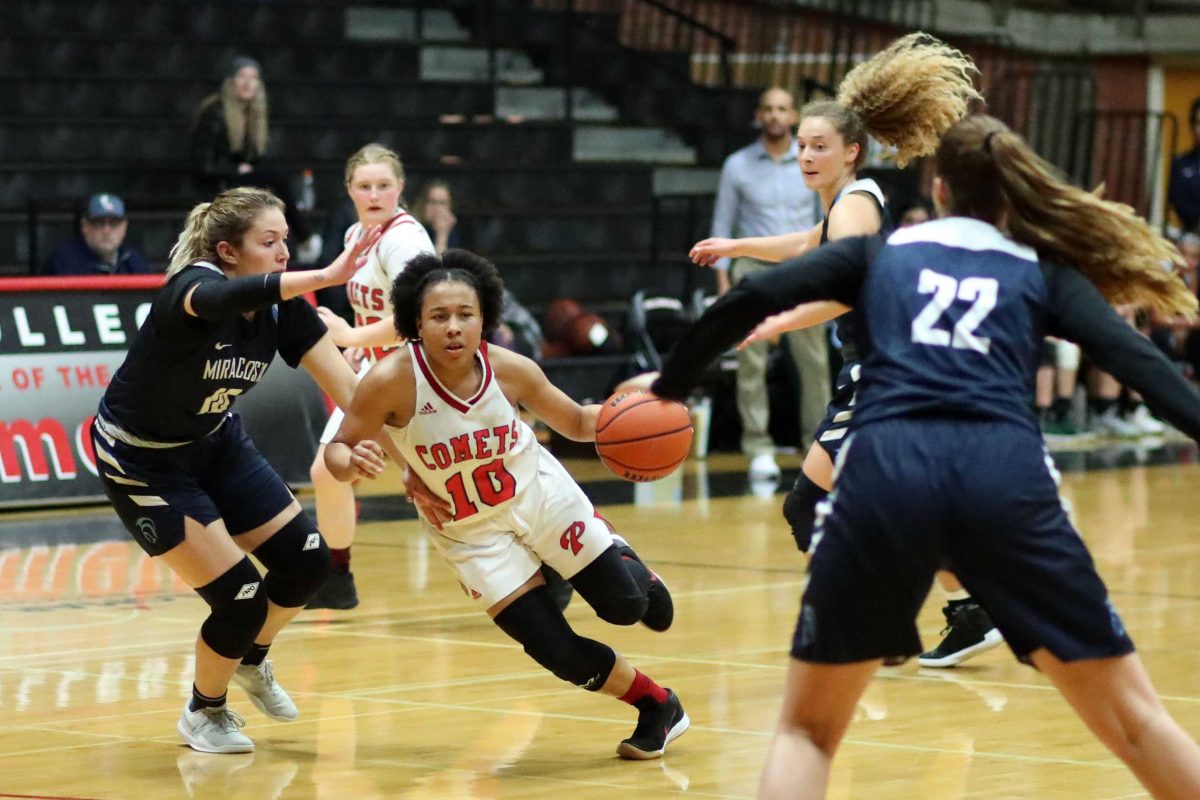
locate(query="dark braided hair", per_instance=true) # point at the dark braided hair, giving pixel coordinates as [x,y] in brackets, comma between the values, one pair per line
[454,266]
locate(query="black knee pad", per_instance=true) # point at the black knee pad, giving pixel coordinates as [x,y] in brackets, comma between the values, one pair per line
[800,510]
[297,560]
[615,587]
[534,621]
[239,609]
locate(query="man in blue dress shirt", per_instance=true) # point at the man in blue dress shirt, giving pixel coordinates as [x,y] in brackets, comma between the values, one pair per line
[762,193]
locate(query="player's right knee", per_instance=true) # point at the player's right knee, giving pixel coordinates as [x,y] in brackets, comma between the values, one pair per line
[800,510]
[239,609]
[536,623]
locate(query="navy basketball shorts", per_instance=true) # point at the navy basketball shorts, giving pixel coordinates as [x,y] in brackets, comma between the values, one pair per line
[977,497]
[221,476]
[833,429]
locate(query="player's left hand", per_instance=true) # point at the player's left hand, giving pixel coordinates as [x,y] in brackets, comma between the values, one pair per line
[367,459]
[433,508]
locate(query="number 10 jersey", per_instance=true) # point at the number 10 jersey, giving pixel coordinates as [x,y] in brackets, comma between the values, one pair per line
[474,452]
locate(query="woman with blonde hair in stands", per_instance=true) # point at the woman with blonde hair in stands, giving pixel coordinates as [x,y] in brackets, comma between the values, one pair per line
[183,476]
[945,462]
[375,182]
[230,135]
[905,96]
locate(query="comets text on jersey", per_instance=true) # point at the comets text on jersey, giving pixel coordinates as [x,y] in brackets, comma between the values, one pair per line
[477,445]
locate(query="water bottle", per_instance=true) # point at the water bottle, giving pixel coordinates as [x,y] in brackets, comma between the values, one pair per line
[307,198]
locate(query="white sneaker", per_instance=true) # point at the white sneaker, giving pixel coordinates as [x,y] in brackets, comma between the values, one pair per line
[265,692]
[214,730]
[763,467]
[1110,423]
[1145,422]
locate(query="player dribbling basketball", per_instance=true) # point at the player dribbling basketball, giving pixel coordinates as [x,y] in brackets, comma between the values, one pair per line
[513,506]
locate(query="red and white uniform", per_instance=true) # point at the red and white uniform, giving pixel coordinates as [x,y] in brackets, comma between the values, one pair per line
[515,506]
[370,290]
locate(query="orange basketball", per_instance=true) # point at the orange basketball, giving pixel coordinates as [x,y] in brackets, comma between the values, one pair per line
[588,333]
[641,437]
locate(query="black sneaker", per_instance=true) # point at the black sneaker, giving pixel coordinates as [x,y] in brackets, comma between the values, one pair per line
[969,631]
[338,592]
[658,725]
[560,588]
[660,612]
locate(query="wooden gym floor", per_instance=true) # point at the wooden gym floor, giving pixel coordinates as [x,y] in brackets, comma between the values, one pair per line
[415,694]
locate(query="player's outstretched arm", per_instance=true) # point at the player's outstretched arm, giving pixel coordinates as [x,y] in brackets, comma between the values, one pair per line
[380,333]
[795,319]
[546,401]
[765,248]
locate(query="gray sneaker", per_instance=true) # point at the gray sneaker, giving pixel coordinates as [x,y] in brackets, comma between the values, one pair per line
[265,692]
[214,730]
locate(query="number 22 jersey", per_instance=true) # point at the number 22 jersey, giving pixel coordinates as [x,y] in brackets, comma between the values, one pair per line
[474,452]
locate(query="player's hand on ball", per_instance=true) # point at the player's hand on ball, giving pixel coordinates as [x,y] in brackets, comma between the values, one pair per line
[433,508]
[367,458]
[638,383]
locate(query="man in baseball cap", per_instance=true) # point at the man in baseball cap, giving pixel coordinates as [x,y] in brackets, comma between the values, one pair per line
[100,249]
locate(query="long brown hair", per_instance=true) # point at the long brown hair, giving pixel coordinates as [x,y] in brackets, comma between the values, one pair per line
[993,175]
[225,219]
[907,95]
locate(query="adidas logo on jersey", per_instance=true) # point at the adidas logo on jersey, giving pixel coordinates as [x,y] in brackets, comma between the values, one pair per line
[247,591]
[428,409]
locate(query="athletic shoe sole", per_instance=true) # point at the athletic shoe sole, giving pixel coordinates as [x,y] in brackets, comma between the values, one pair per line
[990,639]
[626,750]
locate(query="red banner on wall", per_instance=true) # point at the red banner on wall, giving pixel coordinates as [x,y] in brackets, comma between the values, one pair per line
[61,341]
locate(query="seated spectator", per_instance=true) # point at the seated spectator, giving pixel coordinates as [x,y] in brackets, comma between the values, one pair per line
[435,210]
[229,141]
[100,248]
[1184,189]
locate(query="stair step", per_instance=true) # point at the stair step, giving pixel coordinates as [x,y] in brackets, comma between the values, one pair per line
[375,24]
[647,145]
[548,102]
[471,64]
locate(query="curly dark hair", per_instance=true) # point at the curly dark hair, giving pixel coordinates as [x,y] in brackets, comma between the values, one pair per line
[454,266]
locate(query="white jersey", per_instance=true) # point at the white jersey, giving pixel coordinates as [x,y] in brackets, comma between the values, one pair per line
[370,290]
[474,452]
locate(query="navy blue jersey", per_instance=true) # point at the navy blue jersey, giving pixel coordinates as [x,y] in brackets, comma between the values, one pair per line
[183,373]
[952,312]
[847,324]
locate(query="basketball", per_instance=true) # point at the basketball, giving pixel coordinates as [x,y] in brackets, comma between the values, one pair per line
[641,437]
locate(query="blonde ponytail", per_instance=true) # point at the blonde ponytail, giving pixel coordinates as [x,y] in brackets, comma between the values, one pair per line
[1116,249]
[225,219]
[189,247]
[906,96]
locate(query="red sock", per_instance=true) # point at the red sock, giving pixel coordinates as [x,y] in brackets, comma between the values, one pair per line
[643,687]
[341,559]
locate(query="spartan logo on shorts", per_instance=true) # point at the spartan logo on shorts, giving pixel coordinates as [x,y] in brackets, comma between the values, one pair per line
[247,591]
[312,542]
[146,529]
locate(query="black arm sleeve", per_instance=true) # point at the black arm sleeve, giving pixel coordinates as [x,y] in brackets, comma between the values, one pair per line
[214,299]
[1078,312]
[832,272]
